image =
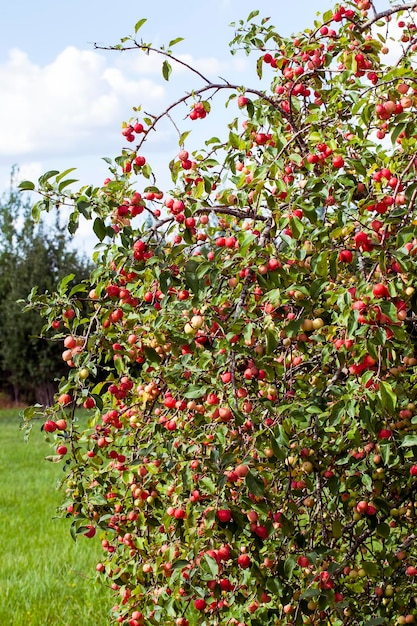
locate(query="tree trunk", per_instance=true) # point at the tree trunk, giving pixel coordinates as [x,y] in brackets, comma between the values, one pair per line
[44,394]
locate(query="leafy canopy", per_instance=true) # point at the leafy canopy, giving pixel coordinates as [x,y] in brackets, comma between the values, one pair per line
[248,351]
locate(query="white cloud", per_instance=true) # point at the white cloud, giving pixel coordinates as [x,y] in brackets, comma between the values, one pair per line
[151,64]
[30,171]
[206,65]
[75,105]
[145,89]
[68,113]
[68,106]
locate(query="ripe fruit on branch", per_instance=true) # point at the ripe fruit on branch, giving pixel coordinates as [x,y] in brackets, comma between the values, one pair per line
[64,399]
[200,604]
[338,162]
[69,314]
[345,256]
[244,561]
[183,155]
[384,433]
[90,532]
[362,506]
[242,101]
[140,161]
[303,561]
[363,242]
[89,403]
[197,321]
[380,291]
[199,111]
[224,515]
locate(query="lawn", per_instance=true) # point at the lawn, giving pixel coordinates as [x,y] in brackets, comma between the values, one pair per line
[45,577]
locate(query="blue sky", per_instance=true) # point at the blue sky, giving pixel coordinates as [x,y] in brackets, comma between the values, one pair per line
[63,102]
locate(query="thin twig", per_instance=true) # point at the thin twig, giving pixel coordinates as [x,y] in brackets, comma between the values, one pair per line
[387,13]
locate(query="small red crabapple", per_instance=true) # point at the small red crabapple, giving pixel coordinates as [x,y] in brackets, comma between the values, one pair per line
[90,532]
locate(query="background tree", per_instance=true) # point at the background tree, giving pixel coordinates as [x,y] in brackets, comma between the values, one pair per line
[30,256]
[252,455]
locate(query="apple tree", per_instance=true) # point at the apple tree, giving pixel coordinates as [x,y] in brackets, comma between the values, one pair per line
[246,344]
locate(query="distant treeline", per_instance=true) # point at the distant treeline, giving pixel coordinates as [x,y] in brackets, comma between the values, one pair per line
[31,255]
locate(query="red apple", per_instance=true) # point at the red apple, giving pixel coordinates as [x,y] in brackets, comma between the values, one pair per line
[224,515]
[49,426]
[244,561]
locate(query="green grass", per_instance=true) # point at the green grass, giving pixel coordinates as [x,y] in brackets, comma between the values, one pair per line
[45,577]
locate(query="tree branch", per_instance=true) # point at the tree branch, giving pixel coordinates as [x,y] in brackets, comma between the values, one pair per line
[145,48]
[387,13]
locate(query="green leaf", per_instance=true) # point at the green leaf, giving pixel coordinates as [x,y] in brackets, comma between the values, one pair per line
[352,326]
[398,129]
[45,177]
[180,564]
[273,584]
[234,140]
[173,42]
[259,66]
[272,340]
[282,436]
[255,484]
[278,449]
[319,263]
[26,185]
[385,450]
[73,222]
[139,24]
[64,282]
[66,183]
[209,564]
[194,391]
[337,529]
[199,189]
[118,363]
[166,70]
[208,485]
[289,566]
[100,228]
[388,397]
[250,108]
[98,500]
[64,173]
[151,355]
[383,530]
[191,276]
[310,593]
[297,227]
[248,331]
[77,289]
[370,568]
[183,137]
[245,239]
[382,505]
[409,441]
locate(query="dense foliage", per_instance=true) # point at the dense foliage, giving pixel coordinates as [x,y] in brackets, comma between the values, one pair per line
[248,353]
[31,256]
